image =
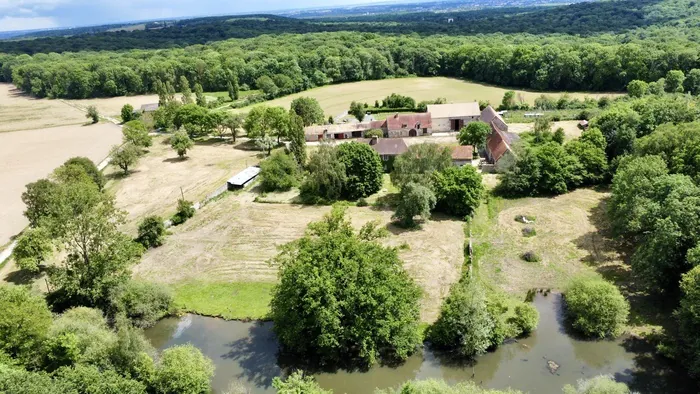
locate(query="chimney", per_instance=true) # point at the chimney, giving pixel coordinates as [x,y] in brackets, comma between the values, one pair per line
[374,140]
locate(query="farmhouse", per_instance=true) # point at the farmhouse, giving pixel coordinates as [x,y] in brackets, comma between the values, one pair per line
[243,178]
[452,117]
[408,125]
[387,148]
[490,116]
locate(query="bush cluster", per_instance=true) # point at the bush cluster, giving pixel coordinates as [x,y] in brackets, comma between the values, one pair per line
[595,308]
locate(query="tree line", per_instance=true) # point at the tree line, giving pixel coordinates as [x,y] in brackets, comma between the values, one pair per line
[285,64]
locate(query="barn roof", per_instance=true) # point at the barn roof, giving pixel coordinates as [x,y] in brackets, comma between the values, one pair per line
[387,146]
[149,107]
[244,176]
[489,114]
[412,121]
[463,152]
[499,142]
[459,110]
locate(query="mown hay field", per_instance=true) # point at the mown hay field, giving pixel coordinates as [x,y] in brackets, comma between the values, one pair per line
[335,99]
[18,111]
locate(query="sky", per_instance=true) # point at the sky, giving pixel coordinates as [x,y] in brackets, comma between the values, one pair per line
[42,14]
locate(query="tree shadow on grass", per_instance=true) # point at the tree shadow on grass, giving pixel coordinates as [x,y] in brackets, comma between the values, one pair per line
[23,277]
[610,257]
[175,159]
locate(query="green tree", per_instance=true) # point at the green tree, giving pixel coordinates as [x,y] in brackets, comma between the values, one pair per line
[674,81]
[363,170]
[332,282]
[185,90]
[378,133]
[464,323]
[458,190]
[594,163]
[278,172]
[603,384]
[637,88]
[692,82]
[143,303]
[199,95]
[234,123]
[326,178]
[414,200]
[98,256]
[181,143]
[297,138]
[125,156]
[297,383]
[39,199]
[309,109]
[151,232]
[419,163]
[595,308]
[183,369]
[474,134]
[127,113]
[24,323]
[185,211]
[689,318]
[90,169]
[84,379]
[266,144]
[508,101]
[135,132]
[262,121]
[619,127]
[357,110]
[33,247]
[232,86]
[92,114]
[198,121]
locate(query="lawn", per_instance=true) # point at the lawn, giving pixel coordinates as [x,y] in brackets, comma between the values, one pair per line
[228,300]
[335,99]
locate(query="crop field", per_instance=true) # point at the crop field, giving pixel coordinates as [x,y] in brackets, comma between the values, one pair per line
[26,156]
[21,112]
[153,187]
[335,99]
[568,240]
[232,240]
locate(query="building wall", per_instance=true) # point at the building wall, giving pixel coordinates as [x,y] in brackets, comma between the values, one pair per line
[443,125]
[402,133]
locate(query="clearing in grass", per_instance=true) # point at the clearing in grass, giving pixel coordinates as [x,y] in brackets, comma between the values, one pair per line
[228,300]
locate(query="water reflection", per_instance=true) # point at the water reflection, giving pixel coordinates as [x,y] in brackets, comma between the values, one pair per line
[248,353]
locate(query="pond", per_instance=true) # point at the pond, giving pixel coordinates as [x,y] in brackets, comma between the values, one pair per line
[246,353]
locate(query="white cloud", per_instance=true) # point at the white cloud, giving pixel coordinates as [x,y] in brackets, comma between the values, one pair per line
[10,23]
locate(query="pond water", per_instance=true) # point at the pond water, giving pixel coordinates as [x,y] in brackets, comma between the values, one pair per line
[246,353]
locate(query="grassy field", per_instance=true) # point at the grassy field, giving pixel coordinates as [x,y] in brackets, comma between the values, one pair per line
[232,239]
[231,301]
[21,112]
[335,99]
[29,155]
[156,183]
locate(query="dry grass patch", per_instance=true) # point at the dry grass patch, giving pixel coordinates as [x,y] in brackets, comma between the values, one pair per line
[335,99]
[232,240]
[19,111]
[570,127]
[112,106]
[153,187]
[26,156]
[568,240]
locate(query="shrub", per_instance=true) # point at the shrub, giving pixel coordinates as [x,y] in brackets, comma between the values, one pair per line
[33,248]
[298,383]
[127,113]
[595,308]
[531,257]
[92,114]
[433,386]
[379,133]
[603,384]
[529,232]
[136,133]
[183,369]
[181,143]
[90,168]
[689,319]
[185,210]
[278,172]
[151,232]
[24,322]
[464,323]
[526,318]
[142,303]
[362,202]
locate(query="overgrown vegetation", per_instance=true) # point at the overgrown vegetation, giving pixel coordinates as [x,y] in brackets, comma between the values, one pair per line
[595,308]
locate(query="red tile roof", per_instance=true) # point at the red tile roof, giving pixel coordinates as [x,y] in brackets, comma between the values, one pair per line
[462,153]
[496,144]
[413,121]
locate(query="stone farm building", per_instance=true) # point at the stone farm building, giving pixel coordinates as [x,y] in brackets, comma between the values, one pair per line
[452,117]
[395,126]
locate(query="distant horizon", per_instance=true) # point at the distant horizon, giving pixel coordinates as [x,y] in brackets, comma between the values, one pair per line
[37,15]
